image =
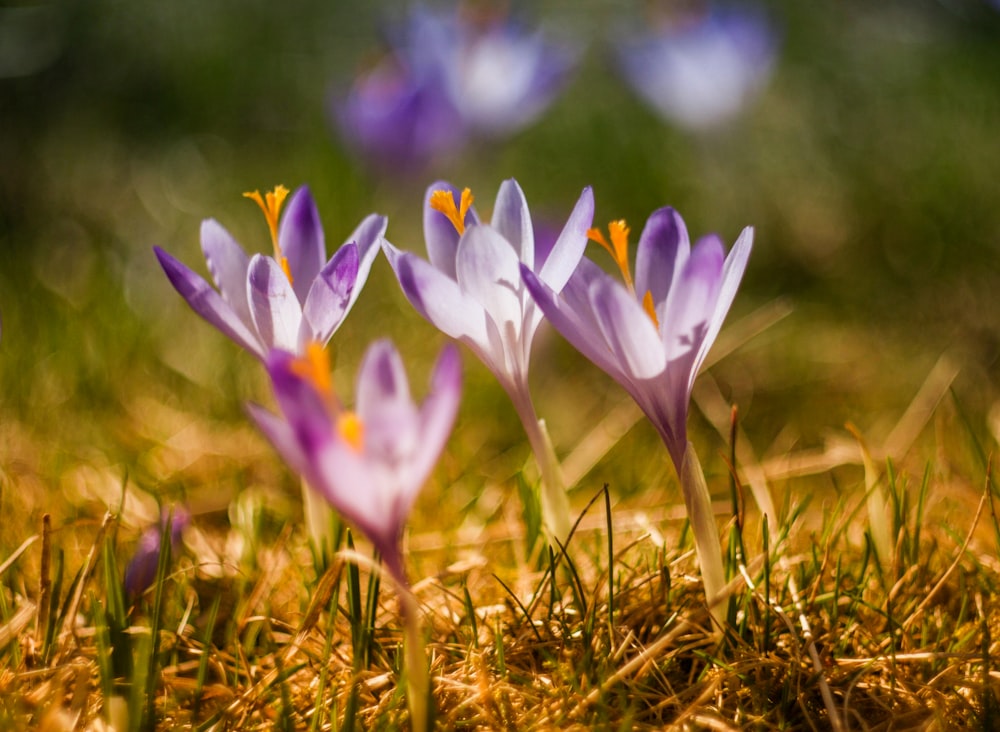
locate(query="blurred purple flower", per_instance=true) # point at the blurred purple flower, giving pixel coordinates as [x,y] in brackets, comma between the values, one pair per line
[371,463]
[450,75]
[398,117]
[285,301]
[498,75]
[652,334]
[700,70]
[141,570]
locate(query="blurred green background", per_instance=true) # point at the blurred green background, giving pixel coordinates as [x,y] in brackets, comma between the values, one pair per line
[868,166]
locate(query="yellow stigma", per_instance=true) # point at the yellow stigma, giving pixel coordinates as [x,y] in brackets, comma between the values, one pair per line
[270,203]
[352,429]
[444,202]
[618,248]
[650,308]
[314,367]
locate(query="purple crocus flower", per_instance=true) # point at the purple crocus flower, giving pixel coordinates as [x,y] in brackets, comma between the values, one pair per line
[399,117]
[449,76]
[285,301]
[497,74]
[368,464]
[141,570]
[651,334]
[699,70]
[471,289]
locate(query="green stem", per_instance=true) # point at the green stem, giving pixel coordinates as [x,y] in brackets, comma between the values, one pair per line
[319,517]
[698,501]
[556,512]
[415,660]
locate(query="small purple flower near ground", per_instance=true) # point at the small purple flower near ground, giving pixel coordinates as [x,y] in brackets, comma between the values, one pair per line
[700,69]
[141,570]
[285,301]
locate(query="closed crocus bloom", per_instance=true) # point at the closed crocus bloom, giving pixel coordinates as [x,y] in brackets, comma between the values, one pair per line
[283,301]
[699,69]
[369,463]
[471,289]
[652,332]
[141,570]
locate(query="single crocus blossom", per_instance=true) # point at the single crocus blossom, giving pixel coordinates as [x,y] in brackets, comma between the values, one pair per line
[397,116]
[141,570]
[652,334]
[370,463]
[700,69]
[498,75]
[283,301]
[471,289]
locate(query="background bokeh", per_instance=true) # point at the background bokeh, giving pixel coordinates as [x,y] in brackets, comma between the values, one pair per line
[868,164]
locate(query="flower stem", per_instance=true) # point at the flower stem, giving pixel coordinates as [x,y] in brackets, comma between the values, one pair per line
[320,520]
[698,501]
[556,513]
[414,656]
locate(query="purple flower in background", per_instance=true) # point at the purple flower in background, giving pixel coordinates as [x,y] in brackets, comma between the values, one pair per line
[397,116]
[700,70]
[369,464]
[651,334]
[471,289]
[141,570]
[498,75]
[448,76]
[285,301]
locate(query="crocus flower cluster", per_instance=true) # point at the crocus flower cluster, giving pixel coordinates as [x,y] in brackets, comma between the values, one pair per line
[288,300]
[699,69]
[487,285]
[449,76]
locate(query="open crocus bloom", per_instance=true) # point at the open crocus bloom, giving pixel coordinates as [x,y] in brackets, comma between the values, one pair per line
[369,464]
[285,301]
[700,70]
[472,289]
[651,334]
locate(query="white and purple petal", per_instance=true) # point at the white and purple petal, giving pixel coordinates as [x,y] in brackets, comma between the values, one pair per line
[330,296]
[273,304]
[301,238]
[208,303]
[437,297]
[228,263]
[512,220]
[559,262]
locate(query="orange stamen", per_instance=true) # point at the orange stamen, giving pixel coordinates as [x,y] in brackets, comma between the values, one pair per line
[618,248]
[650,308]
[444,202]
[270,203]
[352,429]
[314,367]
